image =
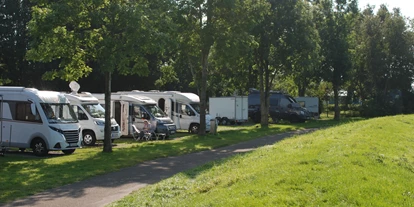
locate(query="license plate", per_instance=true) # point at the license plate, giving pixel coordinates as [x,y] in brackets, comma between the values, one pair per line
[172,132]
[73,144]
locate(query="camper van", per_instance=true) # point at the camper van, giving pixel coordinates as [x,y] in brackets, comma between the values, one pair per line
[183,108]
[134,111]
[282,107]
[91,116]
[40,120]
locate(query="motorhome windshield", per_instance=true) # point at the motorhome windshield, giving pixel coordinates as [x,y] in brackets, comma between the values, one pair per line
[95,110]
[196,107]
[58,113]
[155,110]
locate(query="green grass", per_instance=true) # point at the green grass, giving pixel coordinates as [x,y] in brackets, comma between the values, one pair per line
[33,174]
[366,163]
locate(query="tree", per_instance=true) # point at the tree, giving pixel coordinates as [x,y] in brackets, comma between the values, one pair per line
[107,36]
[202,23]
[279,35]
[334,33]
[14,68]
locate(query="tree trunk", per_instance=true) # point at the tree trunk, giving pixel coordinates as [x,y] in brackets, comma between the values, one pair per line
[336,99]
[264,97]
[107,130]
[203,90]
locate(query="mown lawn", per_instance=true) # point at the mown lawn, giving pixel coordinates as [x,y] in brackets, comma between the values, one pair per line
[33,174]
[365,163]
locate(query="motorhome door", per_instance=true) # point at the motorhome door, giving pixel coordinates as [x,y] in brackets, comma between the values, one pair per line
[123,111]
[137,115]
[187,115]
[175,114]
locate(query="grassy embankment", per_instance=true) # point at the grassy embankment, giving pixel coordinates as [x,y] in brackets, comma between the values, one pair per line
[33,174]
[365,163]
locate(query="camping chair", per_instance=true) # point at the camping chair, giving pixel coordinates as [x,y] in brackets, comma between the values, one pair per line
[147,130]
[136,134]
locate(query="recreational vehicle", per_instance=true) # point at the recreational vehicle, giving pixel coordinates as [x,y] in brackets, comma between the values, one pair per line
[40,120]
[183,108]
[91,116]
[134,111]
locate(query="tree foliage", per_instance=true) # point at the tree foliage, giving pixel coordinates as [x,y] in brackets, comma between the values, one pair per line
[107,36]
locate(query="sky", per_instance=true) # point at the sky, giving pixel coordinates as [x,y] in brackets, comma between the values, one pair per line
[406,6]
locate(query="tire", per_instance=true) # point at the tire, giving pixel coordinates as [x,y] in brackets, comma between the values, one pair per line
[218,120]
[275,120]
[224,121]
[68,152]
[39,147]
[89,138]
[256,118]
[194,128]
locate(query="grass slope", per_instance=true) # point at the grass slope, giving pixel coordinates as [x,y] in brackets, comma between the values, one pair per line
[366,163]
[33,174]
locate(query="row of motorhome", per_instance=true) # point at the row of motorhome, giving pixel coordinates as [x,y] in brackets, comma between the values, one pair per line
[48,120]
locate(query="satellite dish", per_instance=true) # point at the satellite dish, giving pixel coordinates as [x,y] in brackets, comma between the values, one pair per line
[74,86]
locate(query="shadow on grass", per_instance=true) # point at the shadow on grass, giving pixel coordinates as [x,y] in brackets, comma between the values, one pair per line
[36,175]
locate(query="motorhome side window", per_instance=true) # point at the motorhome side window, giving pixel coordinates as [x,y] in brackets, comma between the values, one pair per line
[80,113]
[24,113]
[186,110]
[137,112]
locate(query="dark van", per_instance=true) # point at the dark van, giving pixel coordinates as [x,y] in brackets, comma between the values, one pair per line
[282,107]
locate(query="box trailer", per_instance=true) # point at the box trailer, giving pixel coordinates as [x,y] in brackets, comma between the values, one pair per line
[229,110]
[310,103]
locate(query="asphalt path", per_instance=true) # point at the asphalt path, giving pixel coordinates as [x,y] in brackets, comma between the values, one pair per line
[105,189]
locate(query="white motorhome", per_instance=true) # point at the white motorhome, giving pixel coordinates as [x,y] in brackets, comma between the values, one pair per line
[183,108]
[40,120]
[134,110]
[91,116]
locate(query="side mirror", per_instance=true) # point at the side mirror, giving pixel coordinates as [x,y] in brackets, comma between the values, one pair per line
[33,109]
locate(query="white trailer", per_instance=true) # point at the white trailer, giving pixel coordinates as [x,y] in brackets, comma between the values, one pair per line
[91,116]
[131,111]
[40,120]
[182,107]
[229,110]
[310,103]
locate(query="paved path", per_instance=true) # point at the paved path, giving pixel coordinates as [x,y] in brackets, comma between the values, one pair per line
[105,189]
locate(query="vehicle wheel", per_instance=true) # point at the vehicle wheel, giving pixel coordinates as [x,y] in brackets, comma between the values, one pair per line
[194,128]
[224,121]
[218,120]
[39,147]
[256,118]
[89,138]
[68,152]
[294,119]
[275,120]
